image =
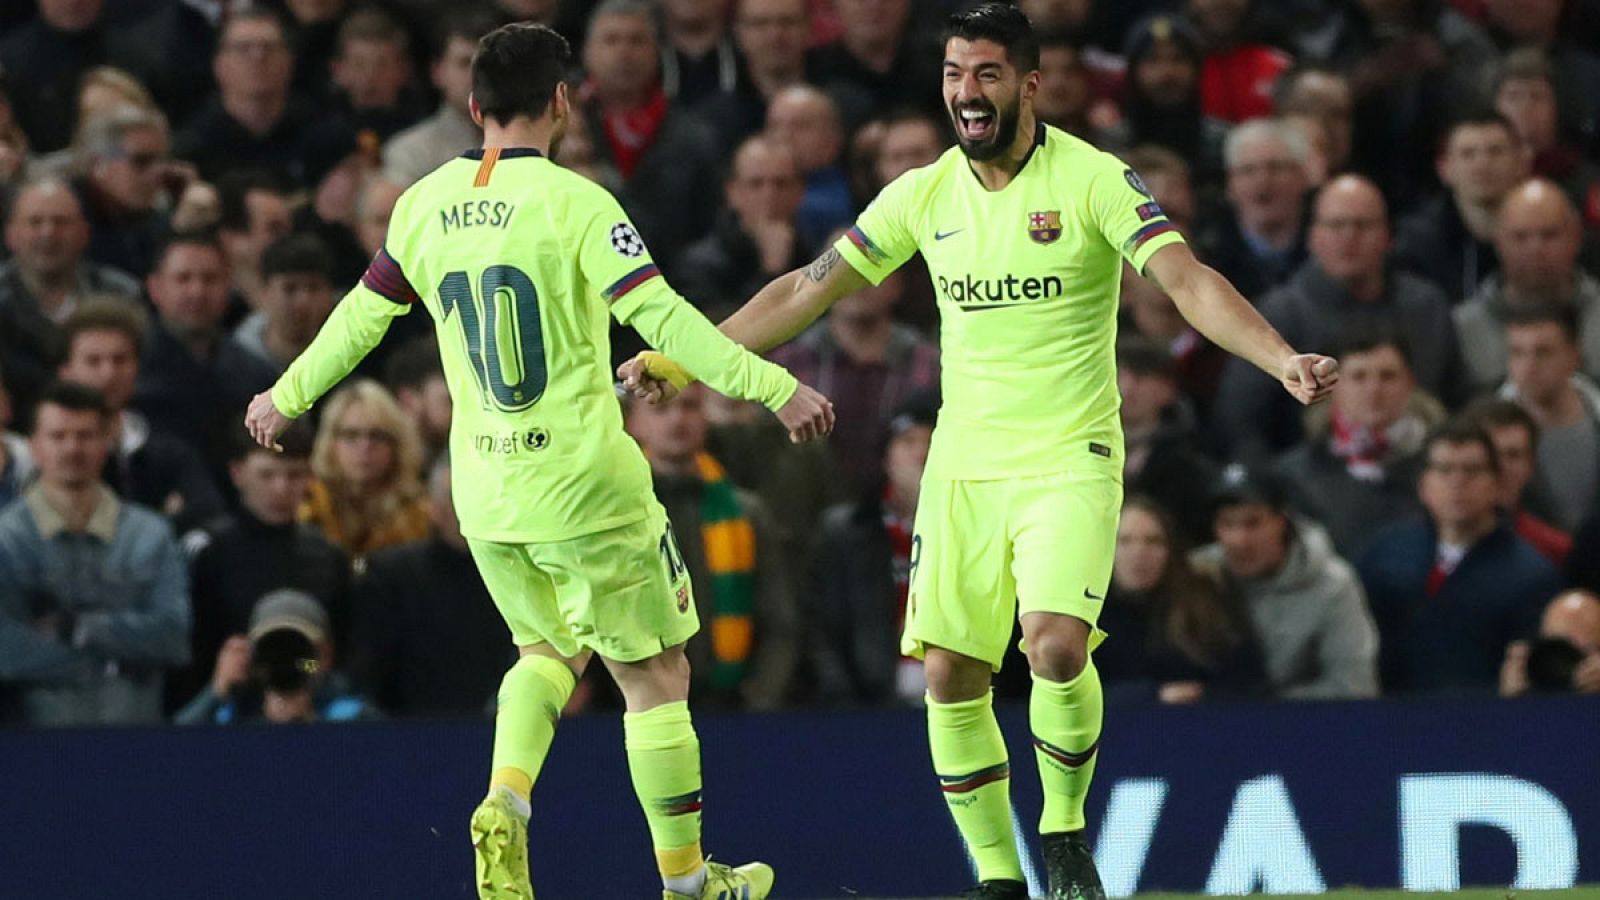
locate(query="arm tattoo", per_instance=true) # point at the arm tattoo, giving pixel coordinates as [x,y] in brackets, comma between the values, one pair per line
[819,269]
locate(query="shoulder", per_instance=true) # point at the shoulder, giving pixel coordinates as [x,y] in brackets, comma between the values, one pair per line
[1414,290]
[144,525]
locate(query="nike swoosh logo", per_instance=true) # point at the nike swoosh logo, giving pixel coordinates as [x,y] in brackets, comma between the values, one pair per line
[941,235]
[1091,596]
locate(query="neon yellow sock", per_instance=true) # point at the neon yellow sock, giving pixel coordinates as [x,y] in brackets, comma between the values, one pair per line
[1065,718]
[664,760]
[529,706]
[969,756]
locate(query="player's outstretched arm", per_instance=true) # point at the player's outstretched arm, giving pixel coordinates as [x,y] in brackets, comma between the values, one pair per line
[1217,310]
[789,303]
[356,325]
[772,317]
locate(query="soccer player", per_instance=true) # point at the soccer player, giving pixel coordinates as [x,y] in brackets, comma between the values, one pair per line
[1025,229]
[518,261]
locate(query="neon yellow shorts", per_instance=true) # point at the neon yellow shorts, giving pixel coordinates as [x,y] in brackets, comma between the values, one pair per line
[623,593]
[986,552]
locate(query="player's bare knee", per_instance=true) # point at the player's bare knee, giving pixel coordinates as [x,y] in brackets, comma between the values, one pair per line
[953,678]
[1057,646]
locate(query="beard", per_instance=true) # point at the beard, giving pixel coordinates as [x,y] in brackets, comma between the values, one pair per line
[1001,132]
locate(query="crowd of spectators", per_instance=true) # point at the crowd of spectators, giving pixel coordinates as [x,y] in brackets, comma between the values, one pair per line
[189,186]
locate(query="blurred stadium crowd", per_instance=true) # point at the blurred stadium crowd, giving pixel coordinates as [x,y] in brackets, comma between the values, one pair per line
[190,185]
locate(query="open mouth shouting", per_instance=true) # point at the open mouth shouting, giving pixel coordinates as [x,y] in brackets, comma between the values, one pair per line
[976,122]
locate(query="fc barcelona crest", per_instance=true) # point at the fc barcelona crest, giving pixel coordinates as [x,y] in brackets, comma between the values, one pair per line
[1045,227]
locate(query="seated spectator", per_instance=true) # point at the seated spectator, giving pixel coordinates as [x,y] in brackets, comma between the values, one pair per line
[1558,30]
[879,62]
[1447,239]
[1413,67]
[193,378]
[698,58]
[368,465]
[44,280]
[125,174]
[745,653]
[911,139]
[100,90]
[1309,611]
[1516,443]
[371,71]
[1178,638]
[427,638]
[1358,467]
[103,338]
[441,137]
[312,28]
[280,672]
[806,121]
[772,38]
[94,600]
[16,460]
[1064,97]
[1537,235]
[252,121]
[1452,591]
[870,364]
[375,204]
[1159,434]
[861,574]
[1566,656]
[296,298]
[1240,64]
[756,238]
[1312,94]
[415,375]
[1259,242]
[1525,93]
[1161,102]
[1564,403]
[254,213]
[239,556]
[664,155]
[52,53]
[1345,284]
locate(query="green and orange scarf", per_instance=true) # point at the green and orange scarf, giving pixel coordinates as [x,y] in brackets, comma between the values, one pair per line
[730,547]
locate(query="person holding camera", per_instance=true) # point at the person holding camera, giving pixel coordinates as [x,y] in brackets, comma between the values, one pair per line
[280,672]
[1566,656]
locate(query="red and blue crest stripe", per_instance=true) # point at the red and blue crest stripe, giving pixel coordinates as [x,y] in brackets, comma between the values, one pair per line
[961,784]
[681,805]
[384,278]
[630,281]
[863,243]
[1153,230]
[1066,757]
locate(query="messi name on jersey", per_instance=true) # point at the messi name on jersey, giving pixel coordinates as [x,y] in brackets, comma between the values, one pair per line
[968,292]
[473,213]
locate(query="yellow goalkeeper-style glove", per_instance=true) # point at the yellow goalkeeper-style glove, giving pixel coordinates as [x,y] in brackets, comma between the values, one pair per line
[658,366]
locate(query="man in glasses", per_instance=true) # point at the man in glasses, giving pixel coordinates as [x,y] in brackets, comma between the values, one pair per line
[1450,592]
[253,120]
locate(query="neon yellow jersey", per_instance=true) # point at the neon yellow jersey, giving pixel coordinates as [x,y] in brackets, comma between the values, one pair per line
[520,262]
[1027,280]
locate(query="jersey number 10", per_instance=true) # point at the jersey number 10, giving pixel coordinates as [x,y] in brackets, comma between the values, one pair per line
[505,338]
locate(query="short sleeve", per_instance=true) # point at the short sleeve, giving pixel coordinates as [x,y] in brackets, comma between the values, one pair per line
[882,238]
[1127,215]
[611,253]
